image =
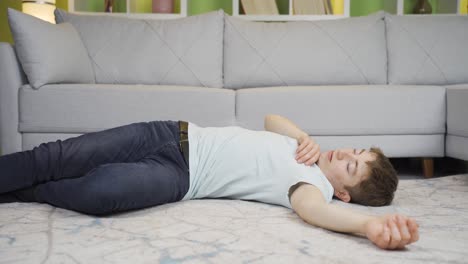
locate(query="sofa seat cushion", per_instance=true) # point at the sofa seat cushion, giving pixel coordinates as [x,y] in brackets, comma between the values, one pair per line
[348,110]
[81,108]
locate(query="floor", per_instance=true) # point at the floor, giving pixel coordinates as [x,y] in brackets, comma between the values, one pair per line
[230,231]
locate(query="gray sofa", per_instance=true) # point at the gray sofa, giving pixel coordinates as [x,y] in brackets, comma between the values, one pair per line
[397,82]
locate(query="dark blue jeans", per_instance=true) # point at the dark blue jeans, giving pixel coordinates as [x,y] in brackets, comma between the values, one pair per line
[119,169]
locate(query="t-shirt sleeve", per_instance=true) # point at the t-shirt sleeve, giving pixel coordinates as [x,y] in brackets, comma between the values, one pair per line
[318,180]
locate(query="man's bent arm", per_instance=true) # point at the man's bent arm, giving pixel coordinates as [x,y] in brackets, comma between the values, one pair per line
[283,126]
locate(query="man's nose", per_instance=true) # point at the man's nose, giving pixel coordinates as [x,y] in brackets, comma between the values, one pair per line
[343,154]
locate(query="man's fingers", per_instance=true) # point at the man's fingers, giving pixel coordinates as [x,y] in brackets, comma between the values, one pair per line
[300,149]
[397,231]
[309,156]
[383,238]
[306,150]
[313,159]
[386,235]
[303,154]
[413,229]
[311,153]
[303,145]
[405,234]
[307,153]
[395,237]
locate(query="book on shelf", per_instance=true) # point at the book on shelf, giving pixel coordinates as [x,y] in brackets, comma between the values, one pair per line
[307,7]
[337,7]
[463,7]
[260,7]
[312,7]
[163,6]
[328,7]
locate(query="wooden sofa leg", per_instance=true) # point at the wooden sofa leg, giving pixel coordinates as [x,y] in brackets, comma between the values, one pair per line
[428,167]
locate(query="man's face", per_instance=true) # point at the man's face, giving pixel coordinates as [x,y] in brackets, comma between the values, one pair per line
[345,167]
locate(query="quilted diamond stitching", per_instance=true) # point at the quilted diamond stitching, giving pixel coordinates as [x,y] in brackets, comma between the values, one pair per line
[108,44]
[172,51]
[258,53]
[426,53]
[92,57]
[168,47]
[321,29]
[265,62]
[423,63]
[344,51]
[184,55]
[102,71]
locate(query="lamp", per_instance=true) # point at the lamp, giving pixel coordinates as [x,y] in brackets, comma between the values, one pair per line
[43,9]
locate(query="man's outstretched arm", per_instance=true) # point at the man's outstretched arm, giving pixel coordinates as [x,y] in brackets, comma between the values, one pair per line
[387,232]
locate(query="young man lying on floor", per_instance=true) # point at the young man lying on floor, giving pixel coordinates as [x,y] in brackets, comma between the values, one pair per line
[152,163]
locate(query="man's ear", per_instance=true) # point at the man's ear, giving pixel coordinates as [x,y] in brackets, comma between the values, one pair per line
[343,195]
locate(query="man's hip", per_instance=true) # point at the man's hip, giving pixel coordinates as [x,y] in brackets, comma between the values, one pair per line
[184,141]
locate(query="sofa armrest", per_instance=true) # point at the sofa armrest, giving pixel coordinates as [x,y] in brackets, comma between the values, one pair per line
[12,78]
[457,110]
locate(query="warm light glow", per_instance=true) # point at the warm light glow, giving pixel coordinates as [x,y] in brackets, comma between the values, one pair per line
[42,9]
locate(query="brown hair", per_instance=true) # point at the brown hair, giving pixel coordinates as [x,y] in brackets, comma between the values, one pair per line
[379,185]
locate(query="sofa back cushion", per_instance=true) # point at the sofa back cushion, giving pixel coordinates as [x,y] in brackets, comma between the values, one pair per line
[49,53]
[185,51]
[342,51]
[427,49]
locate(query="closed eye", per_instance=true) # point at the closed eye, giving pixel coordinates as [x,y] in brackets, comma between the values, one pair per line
[354,152]
[357,162]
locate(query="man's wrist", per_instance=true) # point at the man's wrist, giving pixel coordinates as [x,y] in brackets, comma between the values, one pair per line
[363,227]
[301,135]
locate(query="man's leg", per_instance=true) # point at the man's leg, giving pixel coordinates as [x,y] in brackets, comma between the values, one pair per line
[76,156]
[119,187]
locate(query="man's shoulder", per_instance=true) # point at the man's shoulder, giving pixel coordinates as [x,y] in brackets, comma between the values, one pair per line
[304,194]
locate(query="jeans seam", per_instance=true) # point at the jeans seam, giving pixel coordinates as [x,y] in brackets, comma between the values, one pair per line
[161,148]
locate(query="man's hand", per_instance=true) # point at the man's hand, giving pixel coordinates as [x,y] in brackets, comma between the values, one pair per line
[392,231]
[308,151]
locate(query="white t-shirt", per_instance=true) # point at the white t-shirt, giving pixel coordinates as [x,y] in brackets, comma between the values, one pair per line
[238,163]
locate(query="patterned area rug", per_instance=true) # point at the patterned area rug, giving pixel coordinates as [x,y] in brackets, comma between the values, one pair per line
[230,231]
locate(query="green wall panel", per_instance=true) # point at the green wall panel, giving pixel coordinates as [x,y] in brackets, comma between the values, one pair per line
[202,6]
[365,7]
[5,34]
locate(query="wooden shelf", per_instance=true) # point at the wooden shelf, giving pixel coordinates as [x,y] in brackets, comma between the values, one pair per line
[289,17]
[134,15]
[395,6]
